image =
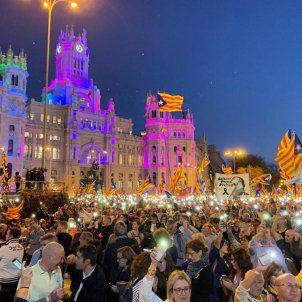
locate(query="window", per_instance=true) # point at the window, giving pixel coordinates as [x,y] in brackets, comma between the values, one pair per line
[42,117]
[130,159]
[54,119]
[48,118]
[140,160]
[38,151]
[31,116]
[74,150]
[179,159]
[26,149]
[27,134]
[161,114]
[120,158]
[59,120]
[154,178]
[153,148]
[10,148]
[55,153]
[154,160]
[153,113]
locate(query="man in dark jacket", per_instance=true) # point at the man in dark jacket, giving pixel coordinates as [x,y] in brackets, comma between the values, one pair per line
[91,285]
[110,261]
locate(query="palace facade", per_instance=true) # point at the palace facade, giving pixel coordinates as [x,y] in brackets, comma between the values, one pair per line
[81,132]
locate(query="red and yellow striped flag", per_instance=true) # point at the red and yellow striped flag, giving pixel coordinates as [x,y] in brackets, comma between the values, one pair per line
[170,103]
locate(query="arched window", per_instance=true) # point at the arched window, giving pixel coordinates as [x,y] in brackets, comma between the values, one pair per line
[153,148]
[153,113]
[154,160]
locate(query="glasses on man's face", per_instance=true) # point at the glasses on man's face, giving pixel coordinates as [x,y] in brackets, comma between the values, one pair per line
[290,285]
[180,291]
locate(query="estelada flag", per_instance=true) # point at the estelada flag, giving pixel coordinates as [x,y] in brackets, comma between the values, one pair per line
[169,103]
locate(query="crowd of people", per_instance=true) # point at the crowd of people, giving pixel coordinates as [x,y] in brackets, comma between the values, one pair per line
[231,251]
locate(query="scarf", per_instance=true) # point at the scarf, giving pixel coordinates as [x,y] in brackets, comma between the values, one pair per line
[195,267]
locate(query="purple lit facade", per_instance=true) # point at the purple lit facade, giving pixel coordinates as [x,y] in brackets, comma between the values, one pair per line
[80,132]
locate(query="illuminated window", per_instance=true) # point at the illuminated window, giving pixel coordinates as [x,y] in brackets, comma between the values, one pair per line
[120,158]
[38,151]
[140,160]
[42,117]
[55,153]
[26,150]
[59,120]
[130,159]
[31,116]
[54,119]
[48,118]
[27,134]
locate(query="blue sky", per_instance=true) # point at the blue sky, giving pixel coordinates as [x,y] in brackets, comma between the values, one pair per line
[238,64]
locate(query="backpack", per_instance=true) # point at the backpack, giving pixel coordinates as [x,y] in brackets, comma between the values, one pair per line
[127,296]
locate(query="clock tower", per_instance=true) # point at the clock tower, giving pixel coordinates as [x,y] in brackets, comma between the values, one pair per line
[72,58]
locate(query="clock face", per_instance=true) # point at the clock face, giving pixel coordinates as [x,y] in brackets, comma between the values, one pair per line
[59,48]
[79,48]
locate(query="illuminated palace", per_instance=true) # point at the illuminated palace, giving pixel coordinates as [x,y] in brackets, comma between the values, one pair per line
[80,132]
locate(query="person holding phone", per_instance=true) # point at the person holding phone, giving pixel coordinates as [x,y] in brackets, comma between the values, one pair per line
[9,274]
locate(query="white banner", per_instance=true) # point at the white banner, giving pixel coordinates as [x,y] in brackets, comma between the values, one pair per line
[229,186]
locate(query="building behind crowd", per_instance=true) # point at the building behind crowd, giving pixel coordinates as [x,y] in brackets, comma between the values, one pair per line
[80,132]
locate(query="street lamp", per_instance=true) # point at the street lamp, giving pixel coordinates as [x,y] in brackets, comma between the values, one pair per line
[233,154]
[49,5]
[50,158]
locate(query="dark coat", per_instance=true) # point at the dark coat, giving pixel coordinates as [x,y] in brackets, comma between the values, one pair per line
[110,261]
[202,285]
[95,287]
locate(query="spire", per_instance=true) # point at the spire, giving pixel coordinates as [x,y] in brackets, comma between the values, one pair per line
[204,139]
[84,37]
[71,31]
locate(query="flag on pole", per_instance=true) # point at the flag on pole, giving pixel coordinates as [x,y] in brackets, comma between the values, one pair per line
[226,170]
[169,103]
[145,186]
[204,163]
[289,156]
[264,179]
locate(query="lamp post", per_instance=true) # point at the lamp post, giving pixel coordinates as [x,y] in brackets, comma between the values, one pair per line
[233,154]
[50,158]
[49,5]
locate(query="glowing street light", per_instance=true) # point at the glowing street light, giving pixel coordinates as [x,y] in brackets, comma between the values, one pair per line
[234,154]
[49,5]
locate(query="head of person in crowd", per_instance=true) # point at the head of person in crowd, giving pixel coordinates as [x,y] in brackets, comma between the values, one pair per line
[264,235]
[241,261]
[135,224]
[141,214]
[85,238]
[12,233]
[257,286]
[120,229]
[106,220]
[140,265]
[199,236]
[289,235]
[197,221]
[34,224]
[171,226]
[52,256]
[287,288]
[154,218]
[43,223]
[208,229]
[179,287]
[47,238]
[3,230]
[215,222]
[123,217]
[86,257]
[195,249]
[164,219]
[272,272]
[62,227]
[125,256]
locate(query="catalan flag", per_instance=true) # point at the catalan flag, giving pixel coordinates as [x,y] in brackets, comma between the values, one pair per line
[226,170]
[145,186]
[170,103]
[264,179]
[178,176]
[289,156]
[204,163]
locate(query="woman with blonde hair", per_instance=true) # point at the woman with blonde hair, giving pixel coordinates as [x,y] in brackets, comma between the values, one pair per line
[178,285]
